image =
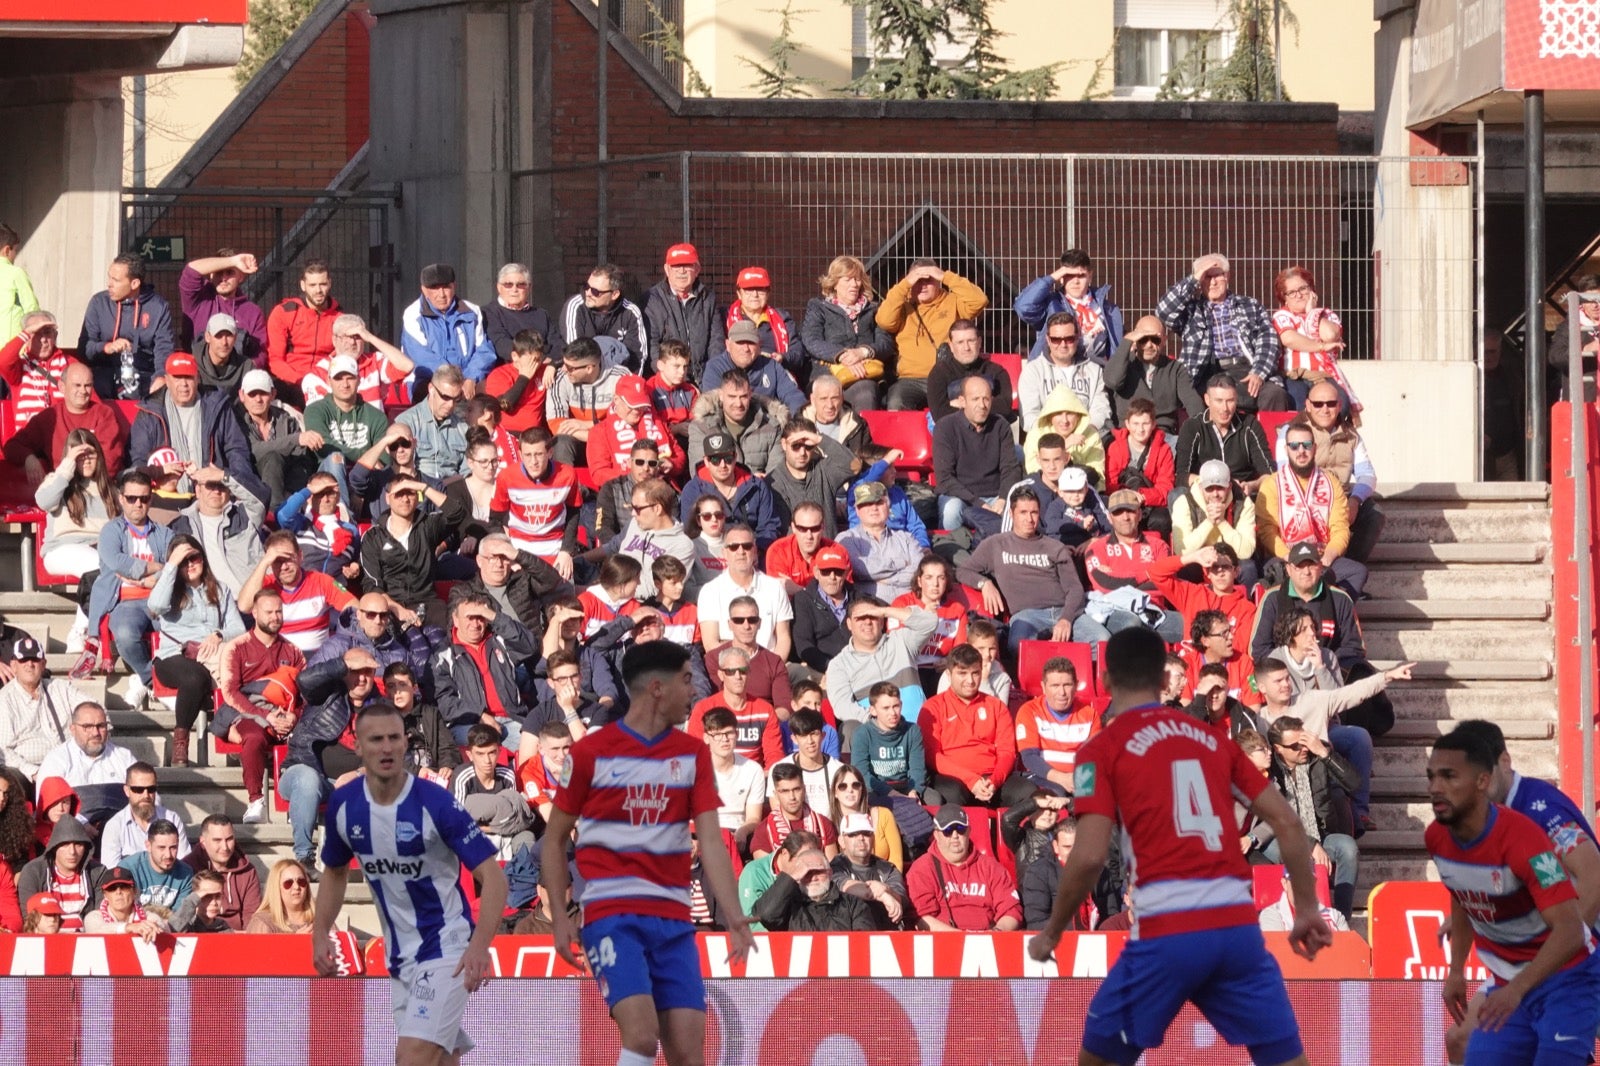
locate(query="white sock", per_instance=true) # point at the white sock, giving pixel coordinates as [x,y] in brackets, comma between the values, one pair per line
[633,1058]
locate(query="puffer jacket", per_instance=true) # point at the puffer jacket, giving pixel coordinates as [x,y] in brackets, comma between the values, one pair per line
[327,714]
[455,336]
[755,444]
[1042,297]
[459,687]
[753,503]
[409,645]
[224,442]
[696,322]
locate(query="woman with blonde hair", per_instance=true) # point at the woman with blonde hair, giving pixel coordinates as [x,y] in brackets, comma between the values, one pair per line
[841,332]
[849,796]
[77,497]
[287,904]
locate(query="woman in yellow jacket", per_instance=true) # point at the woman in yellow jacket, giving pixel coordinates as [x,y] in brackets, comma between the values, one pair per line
[918,312]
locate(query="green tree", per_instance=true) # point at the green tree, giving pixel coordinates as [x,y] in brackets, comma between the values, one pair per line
[907,33]
[666,36]
[1250,70]
[272,22]
[775,78]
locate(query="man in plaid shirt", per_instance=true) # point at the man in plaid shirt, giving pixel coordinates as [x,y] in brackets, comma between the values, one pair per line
[1221,330]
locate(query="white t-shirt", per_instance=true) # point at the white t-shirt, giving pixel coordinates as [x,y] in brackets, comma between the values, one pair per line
[771,600]
[742,785]
[819,783]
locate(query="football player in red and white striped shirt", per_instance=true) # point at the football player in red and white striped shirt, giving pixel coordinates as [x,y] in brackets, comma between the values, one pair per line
[1172,782]
[632,791]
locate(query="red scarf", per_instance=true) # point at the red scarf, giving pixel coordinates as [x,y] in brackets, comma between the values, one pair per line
[1303,513]
[779,827]
[780,333]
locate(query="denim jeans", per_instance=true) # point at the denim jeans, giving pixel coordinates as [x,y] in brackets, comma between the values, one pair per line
[1086,630]
[1355,745]
[334,465]
[1345,859]
[1034,623]
[306,787]
[130,627]
[951,508]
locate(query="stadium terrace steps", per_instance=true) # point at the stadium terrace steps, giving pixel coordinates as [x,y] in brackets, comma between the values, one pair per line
[1462,583]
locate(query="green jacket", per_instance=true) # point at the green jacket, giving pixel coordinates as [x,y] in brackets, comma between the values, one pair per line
[16,299]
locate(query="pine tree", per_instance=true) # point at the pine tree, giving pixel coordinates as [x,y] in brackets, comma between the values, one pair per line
[272,23]
[778,81]
[907,33]
[667,37]
[1249,72]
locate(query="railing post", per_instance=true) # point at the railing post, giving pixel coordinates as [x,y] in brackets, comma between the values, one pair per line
[1582,548]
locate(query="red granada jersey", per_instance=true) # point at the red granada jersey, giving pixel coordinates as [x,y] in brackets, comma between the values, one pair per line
[1172,782]
[634,799]
[968,740]
[753,717]
[529,411]
[950,630]
[784,559]
[1503,880]
[1058,739]
[611,441]
[598,609]
[1241,674]
[1111,564]
[537,509]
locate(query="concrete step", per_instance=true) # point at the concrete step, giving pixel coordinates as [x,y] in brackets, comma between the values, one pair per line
[1390,552]
[1471,671]
[1452,700]
[1380,866]
[1409,731]
[1467,525]
[1536,758]
[1456,493]
[1461,640]
[1395,840]
[1443,610]
[1460,582]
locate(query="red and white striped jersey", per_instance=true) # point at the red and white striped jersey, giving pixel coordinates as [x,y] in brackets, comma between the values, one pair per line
[309,607]
[537,509]
[752,721]
[598,609]
[1058,739]
[1172,782]
[376,374]
[1503,879]
[35,386]
[634,798]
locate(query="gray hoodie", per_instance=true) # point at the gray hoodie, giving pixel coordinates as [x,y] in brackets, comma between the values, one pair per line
[852,673]
[648,545]
[39,875]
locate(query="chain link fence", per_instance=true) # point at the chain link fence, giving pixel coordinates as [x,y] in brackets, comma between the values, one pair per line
[282,229]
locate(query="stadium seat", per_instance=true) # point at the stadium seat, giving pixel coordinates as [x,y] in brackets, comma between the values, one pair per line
[970,597]
[1013,367]
[1271,421]
[908,431]
[1033,654]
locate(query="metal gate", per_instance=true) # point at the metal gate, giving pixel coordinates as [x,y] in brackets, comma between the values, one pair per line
[283,229]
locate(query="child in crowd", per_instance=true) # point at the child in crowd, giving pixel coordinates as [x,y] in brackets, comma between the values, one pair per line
[671,391]
[681,615]
[804,695]
[201,910]
[984,635]
[1085,516]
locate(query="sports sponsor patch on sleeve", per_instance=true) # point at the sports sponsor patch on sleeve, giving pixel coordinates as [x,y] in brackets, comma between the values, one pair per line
[1083,780]
[1547,869]
[1565,837]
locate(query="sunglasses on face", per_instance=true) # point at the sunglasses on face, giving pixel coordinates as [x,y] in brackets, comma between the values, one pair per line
[746,547]
[1299,445]
[646,464]
[140,790]
[735,670]
[748,620]
[1068,339]
[955,830]
[136,499]
[719,460]
[833,572]
[847,786]
[807,529]
[513,284]
[296,882]
[1322,405]
[592,291]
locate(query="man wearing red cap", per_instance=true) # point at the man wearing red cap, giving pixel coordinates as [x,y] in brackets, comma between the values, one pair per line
[195,432]
[752,287]
[632,418]
[819,632]
[681,307]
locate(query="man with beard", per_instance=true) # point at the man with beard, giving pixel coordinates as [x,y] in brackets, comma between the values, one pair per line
[1302,502]
[300,329]
[127,831]
[857,871]
[257,667]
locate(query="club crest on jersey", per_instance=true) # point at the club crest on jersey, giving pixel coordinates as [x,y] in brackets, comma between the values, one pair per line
[1497,882]
[405,832]
[1083,780]
[1566,838]
[645,804]
[1547,869]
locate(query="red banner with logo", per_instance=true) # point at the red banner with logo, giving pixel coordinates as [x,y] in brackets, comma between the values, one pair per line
[1408,923]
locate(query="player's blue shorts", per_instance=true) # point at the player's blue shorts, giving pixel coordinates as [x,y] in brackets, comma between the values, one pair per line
[1554,1025]
[642,955]
[1227,973]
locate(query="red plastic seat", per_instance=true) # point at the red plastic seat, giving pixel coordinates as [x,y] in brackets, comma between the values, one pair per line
[907,431]
[1013,367]
[1033,654]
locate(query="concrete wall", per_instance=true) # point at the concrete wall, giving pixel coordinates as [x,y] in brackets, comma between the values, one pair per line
[1419,419]
[179,108]
[60,186]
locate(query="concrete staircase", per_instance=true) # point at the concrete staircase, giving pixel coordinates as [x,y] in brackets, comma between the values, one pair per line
[194,793]
[1461,583]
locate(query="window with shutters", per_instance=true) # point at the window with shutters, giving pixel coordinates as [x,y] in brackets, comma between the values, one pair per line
[1161,39]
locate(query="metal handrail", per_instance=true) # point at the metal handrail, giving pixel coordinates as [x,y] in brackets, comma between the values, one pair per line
[1582,552]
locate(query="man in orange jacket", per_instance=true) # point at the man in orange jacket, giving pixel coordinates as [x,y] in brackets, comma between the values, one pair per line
[1051,728]
[969,737]
[300,330]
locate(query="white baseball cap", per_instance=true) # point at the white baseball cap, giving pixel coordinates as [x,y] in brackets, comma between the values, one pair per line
[256,381]
[343,364]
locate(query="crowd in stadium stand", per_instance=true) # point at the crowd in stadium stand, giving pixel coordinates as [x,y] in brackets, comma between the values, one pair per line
[896,554]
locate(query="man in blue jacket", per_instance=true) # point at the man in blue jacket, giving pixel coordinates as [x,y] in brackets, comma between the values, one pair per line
[1070,287]
[133,550]
[199,431]
[440,328]
[127,333]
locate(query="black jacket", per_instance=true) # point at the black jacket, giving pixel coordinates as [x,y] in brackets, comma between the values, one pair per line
[785,907]
[1337,627]
[429,745]
[501,325]
[459,687]
[1327,772]
[528,588]
[613,507]
[1245,450]
[827,331]
[326,717]
[971,464]
[696,322]
[224,443]
[1170,388]
[947,374]
[404,572]
[1026,842]
[818,635]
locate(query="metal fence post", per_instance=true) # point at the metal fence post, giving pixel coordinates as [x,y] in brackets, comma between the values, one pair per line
[1581,548]
[683,193]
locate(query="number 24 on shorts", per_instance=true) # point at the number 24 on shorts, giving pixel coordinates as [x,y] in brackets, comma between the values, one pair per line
[602,956]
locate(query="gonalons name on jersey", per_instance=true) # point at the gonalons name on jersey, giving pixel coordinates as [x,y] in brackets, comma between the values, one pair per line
[1147,737]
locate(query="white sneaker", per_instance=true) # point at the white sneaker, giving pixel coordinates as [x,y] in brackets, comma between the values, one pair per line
[137,692]
[256,813]
[77,638]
